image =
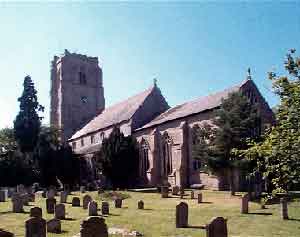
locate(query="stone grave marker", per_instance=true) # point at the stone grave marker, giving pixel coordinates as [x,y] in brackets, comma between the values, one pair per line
[93,226]
[82,189]
[86,200]
[54,226]
[35,227]
[3,195]
[50,205]
[105,208]
[140,204]
[199,197]
[182,213]
[284,208]
[175,190]
[245,204]
[118,203]
[93,208]
[36,212]
[76,202]
[17,204]
[217,228]
[51,193]
[60,211]
[164,191]
[63,197]
[4,233]
[192,194]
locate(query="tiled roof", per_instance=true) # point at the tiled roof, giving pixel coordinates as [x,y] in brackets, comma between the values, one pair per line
[115,114]
[193,107]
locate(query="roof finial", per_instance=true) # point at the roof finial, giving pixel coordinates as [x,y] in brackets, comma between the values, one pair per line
[155,81]
[249,73]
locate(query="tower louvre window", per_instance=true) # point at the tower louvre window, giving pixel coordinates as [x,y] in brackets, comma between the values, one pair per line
[82,78]
[92,139]
[82,142]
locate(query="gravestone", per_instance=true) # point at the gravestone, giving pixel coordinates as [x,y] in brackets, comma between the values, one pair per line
[4,233]
[199,197]
[51,193]
[50,205]
[192,194]
[182,213]
[21,189]
[175,190]
[76,202]
[92,208]
[60,211]
[118,203]
[36,212]
[17,204]
[31,197]
[217,227]
[181,190]
[3,195]
[100,190]
[54,226]
[284,208]
[105,208]
[164,191]
[25,197]
[35,227]
[63,197]
[245,204]
[82,189]
[86,200]
[140,204]
[93,226]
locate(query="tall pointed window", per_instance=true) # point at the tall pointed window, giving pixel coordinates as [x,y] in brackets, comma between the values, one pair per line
[144,157]
[167,155]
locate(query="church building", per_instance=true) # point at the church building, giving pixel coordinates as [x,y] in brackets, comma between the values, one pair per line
[164,134]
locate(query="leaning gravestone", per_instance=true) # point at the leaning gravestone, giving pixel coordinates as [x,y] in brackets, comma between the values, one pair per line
[50,205]
[60,211]
[54,226]
[199,197]
[217,228]
[182,213]
[17,204]
[245,204]
[164,191]
[36,212]
[118,203]
[86,200]
[140,204]
[284,209]
[35,227]
[105,208]
[4,233]
[93,226]
[63,197]
[76,202]
[3,195]
[92,208]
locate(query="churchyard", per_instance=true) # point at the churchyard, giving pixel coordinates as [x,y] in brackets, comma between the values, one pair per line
[157,217]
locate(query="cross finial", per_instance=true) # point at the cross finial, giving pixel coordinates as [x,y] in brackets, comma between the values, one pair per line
[155,81]
[249,73]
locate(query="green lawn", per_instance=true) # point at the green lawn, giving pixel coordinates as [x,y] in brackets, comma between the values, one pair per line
[158,218]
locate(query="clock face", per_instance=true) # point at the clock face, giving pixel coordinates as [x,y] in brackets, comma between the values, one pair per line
[84,99]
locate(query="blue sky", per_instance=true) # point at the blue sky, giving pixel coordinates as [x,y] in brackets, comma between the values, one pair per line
[193,49]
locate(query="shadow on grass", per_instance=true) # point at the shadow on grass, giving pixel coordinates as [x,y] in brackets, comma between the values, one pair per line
[261,213]
[111,214]
[294,219]
[206,203]
[69,219]
[5,212]
[147,209]
[64,231]
[196,227]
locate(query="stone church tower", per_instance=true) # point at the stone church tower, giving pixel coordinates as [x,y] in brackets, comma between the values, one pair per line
[77,93]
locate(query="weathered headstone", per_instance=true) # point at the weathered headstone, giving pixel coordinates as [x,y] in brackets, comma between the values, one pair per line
[63,196]
[217,228]
[60,211]
[199,196]
[17,204]
[4,233]
[105,208]
[140,204]
[245,204]
[192,194]
[35,226]
[3,195]
[86,200]
[21,189]
[51,193]
[82,189]
[175,190]
[164,191]
[118,203]
[92,208]
[284,208]
[54,226]
[181,190]
[50,205]
[36,212]
[76,202]
[182,213]
[93,226]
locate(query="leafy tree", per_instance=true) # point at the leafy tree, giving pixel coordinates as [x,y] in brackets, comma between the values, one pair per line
[7,141]
[119,159]
[277,156]
[27,123]
[237,120]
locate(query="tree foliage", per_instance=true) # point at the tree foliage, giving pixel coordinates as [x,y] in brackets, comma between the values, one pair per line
[27,123]
[277,156]
[119,159]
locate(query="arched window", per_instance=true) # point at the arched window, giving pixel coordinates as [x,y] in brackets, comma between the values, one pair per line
[144,157]
[167,154]
[102,136]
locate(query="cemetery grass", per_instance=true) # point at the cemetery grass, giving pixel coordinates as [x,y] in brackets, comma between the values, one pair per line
[158,217]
